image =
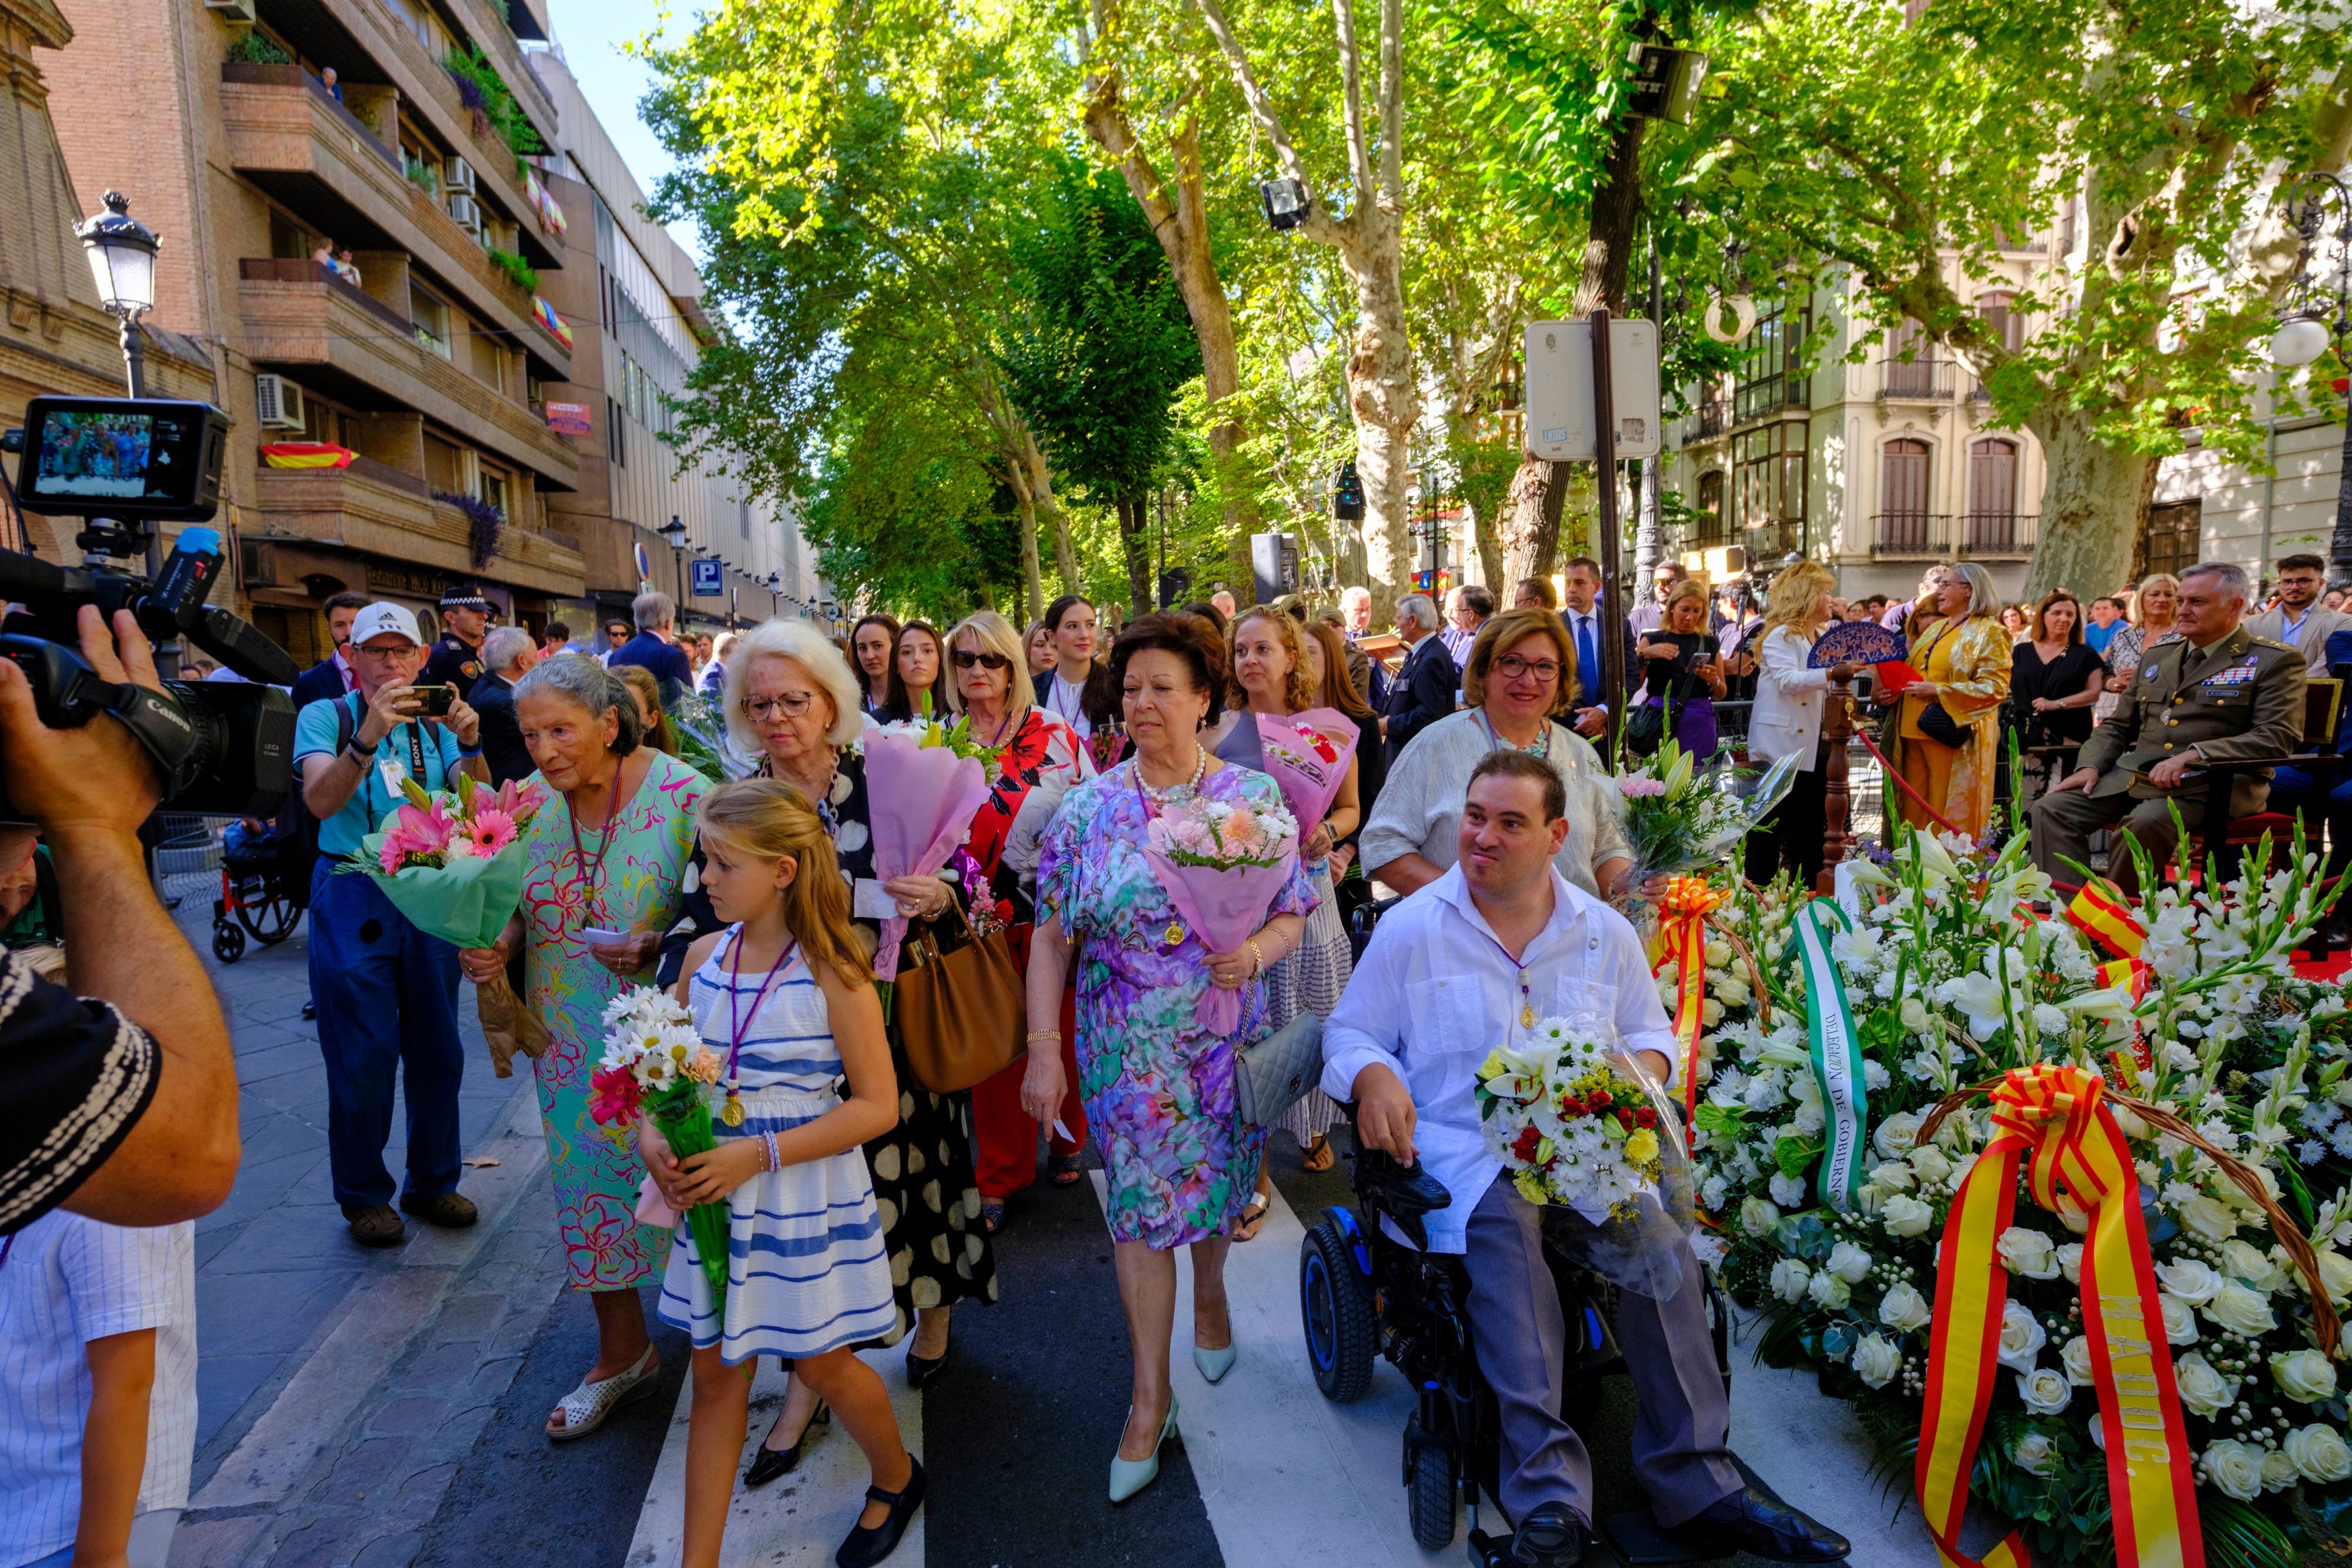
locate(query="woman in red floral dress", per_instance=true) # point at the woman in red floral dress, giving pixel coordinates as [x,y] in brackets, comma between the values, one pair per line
[1039,756]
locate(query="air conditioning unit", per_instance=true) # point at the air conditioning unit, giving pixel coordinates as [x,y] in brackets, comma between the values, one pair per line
[278,402]
[466,210]
[234,10]
[458,174]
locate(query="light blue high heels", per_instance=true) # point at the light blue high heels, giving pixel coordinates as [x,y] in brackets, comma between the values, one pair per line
[1214,1363]
[1129,1477]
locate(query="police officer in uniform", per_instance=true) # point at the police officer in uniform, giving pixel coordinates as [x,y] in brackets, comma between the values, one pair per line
[457,658]
[2218,695]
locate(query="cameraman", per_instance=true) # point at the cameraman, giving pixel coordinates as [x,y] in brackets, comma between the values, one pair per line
[119,1105]
[387,992]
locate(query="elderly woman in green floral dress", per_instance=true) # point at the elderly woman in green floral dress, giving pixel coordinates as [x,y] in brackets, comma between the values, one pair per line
[608,853]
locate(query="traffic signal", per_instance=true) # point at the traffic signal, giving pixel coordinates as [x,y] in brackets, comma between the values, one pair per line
[1348,494]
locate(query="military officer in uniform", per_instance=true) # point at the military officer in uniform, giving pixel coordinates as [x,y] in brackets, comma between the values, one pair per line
[2218,695]
[457,658]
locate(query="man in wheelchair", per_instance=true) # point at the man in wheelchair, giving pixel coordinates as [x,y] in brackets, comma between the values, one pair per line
[1467,963]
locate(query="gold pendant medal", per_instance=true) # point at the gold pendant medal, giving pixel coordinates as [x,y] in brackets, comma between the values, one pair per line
[732,1112]
[1174,935]
[1527,1016]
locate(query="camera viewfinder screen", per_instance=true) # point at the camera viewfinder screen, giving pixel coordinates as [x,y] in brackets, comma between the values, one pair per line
[113,454]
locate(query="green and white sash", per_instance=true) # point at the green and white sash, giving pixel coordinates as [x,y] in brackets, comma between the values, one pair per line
[1837,1054]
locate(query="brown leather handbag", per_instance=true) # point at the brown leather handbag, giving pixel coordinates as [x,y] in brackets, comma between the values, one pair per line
[960,1006]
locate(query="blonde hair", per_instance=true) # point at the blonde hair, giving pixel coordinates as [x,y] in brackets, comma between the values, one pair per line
[1505,629]
[1298,693]
[767,819]
[995,635]
[795,640]
[1688,587]
[2138,617]
[1790,601]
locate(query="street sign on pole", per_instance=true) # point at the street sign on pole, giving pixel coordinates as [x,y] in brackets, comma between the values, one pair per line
[709,577]
[1562,421]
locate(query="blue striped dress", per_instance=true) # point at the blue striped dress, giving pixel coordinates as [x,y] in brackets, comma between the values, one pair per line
[808,1268]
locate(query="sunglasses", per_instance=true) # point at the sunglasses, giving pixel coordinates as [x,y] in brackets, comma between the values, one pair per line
[965,659]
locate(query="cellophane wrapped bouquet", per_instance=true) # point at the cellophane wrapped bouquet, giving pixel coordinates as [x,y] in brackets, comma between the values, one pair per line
[924,780]
[657,1064]
[1221,863]
[453,861]
[1682,818]
[1569,1126]
[1953,977]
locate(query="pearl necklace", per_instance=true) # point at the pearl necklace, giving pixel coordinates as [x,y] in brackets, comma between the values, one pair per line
[1175,791]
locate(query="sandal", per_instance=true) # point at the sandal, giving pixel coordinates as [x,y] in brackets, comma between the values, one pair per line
[1320,1155]
[586,1408]
[992,1215]
[1062,1170]
[1254,1213]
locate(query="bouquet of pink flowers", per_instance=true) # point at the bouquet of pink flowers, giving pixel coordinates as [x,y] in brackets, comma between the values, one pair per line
[921,791]
[1307,754]
[1221,862]
[657,1064]
[452,862]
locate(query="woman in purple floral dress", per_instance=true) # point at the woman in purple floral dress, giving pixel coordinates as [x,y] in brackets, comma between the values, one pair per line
[1159,1086]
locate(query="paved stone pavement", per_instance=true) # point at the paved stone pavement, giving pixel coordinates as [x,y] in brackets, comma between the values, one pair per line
[338,1386]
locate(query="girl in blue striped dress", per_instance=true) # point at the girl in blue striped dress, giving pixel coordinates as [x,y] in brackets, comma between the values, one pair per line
[785,996]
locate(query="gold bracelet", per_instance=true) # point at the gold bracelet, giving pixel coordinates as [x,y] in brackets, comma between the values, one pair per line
[1258,958]
[1044,1034]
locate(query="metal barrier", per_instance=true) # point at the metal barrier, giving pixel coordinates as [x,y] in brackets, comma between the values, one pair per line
[188,853]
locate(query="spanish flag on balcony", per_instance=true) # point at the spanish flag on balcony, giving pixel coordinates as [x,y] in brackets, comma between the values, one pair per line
[551,320]
[306,454]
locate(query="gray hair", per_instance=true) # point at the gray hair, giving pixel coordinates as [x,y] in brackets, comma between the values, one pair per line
[652,611]
[503,647]
[1353,593]
[2227,575]
[1421,608]
[794,640]
[1984,598]
[593,687]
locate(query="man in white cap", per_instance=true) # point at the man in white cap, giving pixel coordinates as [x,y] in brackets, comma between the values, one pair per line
[387,993]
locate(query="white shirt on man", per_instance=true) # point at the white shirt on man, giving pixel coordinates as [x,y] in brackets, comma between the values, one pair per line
[1437,991]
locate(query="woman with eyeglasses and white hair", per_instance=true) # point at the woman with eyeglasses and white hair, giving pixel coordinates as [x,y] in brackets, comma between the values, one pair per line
[1948,737]
[1038,757]
[794,703]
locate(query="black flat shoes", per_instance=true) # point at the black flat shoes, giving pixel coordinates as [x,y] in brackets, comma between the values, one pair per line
[866,1547]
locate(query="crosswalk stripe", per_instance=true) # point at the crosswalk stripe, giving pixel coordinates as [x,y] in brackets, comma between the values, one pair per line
[797,1521]
[1290,1480]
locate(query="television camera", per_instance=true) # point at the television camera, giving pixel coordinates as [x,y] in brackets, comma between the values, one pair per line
[123,465]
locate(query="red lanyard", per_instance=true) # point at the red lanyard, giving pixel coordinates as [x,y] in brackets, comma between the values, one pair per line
[735,1024]
[593,877]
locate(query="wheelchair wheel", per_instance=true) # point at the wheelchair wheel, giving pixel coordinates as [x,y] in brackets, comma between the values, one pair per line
[1341,1339]
[229,942]
[271,920]
[1431,1487]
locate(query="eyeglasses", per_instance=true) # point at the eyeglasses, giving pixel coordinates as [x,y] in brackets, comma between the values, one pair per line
[965,659]
[1511,667]
[793,704]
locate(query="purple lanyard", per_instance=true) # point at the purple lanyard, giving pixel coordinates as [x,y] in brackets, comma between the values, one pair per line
[735,1025]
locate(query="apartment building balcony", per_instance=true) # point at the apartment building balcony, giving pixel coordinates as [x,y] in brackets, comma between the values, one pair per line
[1910,536]
[375,510]
[1763,399]
[352,346]
[1920,381]
[1709,418]
[383,51]
[300,146]
[1998,535]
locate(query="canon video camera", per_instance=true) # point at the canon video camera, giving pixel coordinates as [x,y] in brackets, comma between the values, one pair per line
[123,464]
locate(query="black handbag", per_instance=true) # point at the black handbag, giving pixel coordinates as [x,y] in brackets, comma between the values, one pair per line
[1645,727]
[1941,728]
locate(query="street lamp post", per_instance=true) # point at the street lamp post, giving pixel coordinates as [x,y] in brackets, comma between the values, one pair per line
[675,532]
[122,252]
[2306,331]
[774,582]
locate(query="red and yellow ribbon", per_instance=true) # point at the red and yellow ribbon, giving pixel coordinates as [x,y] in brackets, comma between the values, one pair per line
[2053,1115]
[2101,911]
[1682,937]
